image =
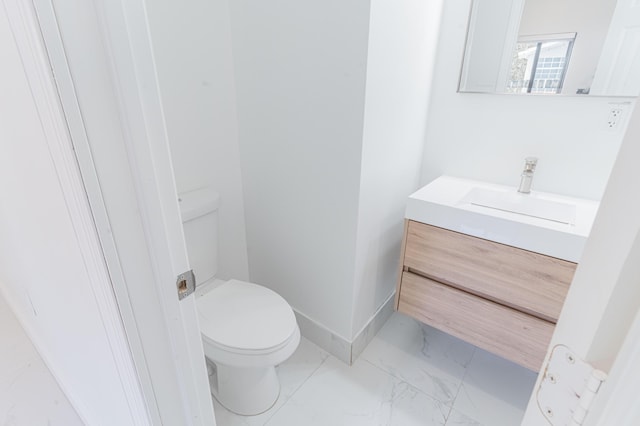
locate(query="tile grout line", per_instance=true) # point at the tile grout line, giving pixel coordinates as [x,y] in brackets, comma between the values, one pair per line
[298,388]
[421,391]
[464,376]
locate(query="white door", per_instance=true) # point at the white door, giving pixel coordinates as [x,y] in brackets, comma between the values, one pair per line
[102,60]
[619,65]
[604,297]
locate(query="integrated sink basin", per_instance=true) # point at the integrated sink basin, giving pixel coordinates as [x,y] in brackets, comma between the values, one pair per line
[540,222]
[531,205]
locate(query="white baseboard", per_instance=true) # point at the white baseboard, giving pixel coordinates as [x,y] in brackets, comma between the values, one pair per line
[337,345]
[368,332]
[317,333]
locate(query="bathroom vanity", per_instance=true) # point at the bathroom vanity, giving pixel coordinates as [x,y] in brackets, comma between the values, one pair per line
[489,265]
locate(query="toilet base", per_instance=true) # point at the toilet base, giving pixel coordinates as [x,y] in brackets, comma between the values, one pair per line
[247,391]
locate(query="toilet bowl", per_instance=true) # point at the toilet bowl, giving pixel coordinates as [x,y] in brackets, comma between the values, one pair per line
[246,329]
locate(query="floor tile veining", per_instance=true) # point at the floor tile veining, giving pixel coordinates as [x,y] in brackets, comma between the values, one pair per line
[426,358]
[358,395]
[409,375]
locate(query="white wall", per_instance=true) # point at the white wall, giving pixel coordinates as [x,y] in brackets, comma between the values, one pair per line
[42,267]
[192,44]
[30,393]
[604,296]
[402,42]
[487,137]
[300,74]
[332,101]
[606,281]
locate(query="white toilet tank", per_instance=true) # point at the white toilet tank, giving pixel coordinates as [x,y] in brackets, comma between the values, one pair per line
[199,210]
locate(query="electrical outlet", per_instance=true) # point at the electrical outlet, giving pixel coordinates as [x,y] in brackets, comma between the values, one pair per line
[615,116]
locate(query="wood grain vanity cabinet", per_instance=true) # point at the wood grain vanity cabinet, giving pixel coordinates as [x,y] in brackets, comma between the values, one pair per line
[500,298]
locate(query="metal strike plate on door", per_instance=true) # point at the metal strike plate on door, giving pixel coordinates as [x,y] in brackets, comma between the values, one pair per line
[186,284]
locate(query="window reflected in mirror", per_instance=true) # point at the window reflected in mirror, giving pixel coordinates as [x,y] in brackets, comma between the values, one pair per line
[573,47]
[539,64]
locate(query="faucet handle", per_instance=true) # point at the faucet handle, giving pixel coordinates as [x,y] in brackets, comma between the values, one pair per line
[530,164]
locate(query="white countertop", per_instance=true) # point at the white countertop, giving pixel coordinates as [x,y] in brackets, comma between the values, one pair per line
[445,203]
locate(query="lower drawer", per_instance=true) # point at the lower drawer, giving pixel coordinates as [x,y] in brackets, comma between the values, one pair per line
[511,334]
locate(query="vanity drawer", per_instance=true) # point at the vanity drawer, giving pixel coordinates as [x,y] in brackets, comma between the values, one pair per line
[521,279]
[506,332]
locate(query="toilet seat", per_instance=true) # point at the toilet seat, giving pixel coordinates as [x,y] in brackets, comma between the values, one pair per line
[241,322]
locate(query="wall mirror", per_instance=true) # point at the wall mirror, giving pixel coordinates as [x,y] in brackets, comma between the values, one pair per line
[566,47]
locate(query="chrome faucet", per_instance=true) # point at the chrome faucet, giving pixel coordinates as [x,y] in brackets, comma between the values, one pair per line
[527,174]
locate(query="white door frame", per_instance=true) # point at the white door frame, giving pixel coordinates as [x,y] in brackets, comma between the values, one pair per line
[130,188]
[36,66]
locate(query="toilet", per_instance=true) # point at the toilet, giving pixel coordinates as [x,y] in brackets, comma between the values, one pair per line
[247,329]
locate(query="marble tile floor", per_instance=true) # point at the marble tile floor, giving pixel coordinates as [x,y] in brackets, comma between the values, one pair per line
[29,395]
[409,375]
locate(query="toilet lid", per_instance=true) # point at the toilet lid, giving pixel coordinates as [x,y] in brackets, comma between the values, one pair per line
[246,316]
